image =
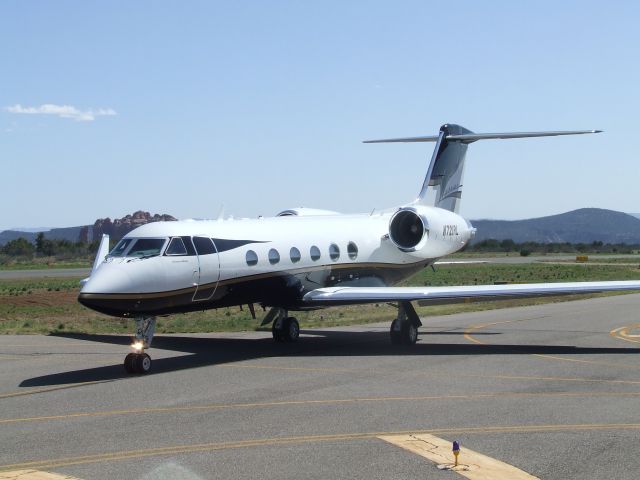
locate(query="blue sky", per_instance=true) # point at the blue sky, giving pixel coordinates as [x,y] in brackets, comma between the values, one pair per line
[179,107]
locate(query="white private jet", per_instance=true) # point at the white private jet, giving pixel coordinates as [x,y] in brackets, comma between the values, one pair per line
[304,259]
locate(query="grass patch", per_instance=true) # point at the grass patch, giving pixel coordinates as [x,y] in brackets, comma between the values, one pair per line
[46,265]
[48,305]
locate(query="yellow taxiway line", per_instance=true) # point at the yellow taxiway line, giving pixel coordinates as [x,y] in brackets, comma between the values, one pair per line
[617,333]
[209,447]
[338,401]
[471,464]
[51,389]
[623,333]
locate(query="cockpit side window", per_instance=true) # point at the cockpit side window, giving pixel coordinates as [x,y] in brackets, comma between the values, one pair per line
[146,247]
[176,247]
[187,243]
[119,249]
[204,246]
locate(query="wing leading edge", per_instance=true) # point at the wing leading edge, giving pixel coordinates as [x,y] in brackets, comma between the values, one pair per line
[439,295]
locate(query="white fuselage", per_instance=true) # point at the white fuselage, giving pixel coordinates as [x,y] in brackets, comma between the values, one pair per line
[272,261]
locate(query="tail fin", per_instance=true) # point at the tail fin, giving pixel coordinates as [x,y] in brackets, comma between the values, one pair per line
[447,162]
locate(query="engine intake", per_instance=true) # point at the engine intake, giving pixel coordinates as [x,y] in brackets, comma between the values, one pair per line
[408,229]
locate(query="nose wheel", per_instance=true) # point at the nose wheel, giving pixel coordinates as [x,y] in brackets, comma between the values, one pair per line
[139,361]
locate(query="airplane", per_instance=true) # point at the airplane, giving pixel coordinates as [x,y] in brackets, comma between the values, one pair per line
[306,258]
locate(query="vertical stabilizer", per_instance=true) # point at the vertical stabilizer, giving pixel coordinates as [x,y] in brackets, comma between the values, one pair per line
[446,170]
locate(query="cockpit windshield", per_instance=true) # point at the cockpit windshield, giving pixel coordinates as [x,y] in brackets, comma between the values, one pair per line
[146,247]
[120,248]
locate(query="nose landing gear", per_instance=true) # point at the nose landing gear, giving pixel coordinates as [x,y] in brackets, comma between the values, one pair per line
[139,361]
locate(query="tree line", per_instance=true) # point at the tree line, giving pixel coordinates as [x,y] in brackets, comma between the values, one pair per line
[44,247]
[527,248]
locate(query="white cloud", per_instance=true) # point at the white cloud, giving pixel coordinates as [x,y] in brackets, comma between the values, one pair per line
[63,111]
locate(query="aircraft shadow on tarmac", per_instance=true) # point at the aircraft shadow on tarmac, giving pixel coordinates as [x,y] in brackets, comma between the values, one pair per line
[217,351]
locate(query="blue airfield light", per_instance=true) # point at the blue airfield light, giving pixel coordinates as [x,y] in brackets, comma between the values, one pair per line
[456,451]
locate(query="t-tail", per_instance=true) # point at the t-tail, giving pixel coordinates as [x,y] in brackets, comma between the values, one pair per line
[442,186]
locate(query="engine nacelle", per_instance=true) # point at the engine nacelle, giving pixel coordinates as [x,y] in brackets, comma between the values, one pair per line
[408,229]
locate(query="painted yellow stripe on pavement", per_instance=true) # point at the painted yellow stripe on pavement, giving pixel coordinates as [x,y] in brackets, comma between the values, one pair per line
[335,401]
[468,334]
[209,447]
[295,369]
[552,379]
[472,328]
[51,389]
[590,362]
[34,475]
[471,464]
[623,333]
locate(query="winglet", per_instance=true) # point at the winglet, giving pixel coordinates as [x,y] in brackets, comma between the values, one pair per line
[103,250]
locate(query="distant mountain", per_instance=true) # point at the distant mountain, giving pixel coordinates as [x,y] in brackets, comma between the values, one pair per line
[71,233]
[116,229]
[637,215]
[585,225]
[579,226]
[30,229]
[119,227]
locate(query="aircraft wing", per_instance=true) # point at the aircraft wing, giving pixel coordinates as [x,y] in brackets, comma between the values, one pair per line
[442,295]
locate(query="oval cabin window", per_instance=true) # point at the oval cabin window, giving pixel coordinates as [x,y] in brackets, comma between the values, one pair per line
[252,258]
[274,256]
[352,250]
[294,254]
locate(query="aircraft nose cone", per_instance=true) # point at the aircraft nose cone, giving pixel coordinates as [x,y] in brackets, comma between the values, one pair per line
[104,289]
[108,281]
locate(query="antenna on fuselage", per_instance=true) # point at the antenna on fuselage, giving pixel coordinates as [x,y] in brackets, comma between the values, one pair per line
[221,213]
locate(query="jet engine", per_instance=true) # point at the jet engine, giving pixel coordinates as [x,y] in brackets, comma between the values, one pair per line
[408,229]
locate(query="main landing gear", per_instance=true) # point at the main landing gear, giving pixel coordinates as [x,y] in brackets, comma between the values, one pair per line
[139,361]
[404,329]
[284,328]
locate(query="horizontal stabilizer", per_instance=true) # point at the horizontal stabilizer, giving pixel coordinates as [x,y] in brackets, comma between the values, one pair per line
[472,137]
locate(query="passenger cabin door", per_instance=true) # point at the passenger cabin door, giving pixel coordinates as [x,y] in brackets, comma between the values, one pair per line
[183,271]
[209,268]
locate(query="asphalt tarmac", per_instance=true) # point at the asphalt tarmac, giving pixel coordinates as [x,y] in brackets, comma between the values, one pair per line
[553,390]
[45,273]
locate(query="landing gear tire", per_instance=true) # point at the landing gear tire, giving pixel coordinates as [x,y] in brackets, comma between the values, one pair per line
[130,363]
[137,363]
[140,362]
[394,333]
[403,334]
[143,363]
[409,335]
[291,330]
[286,330]
[277,332]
